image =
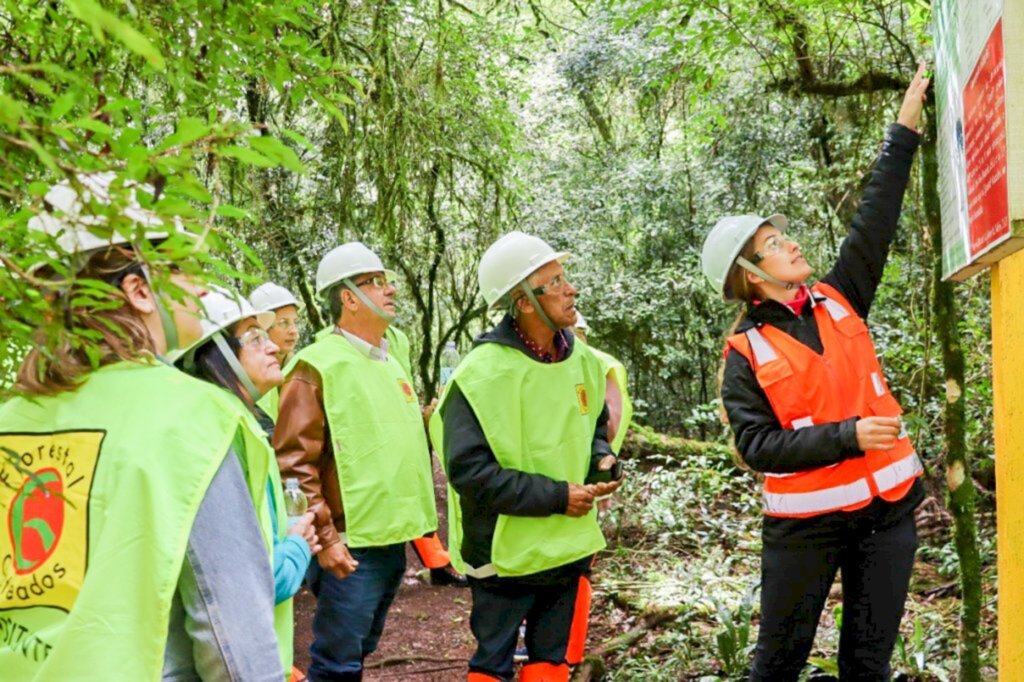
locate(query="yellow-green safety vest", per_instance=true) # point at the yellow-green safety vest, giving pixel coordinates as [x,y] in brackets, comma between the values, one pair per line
[90,559]
[399,348]
[270,402]
[617,370]
[380,448]
[538,418]
[284,615]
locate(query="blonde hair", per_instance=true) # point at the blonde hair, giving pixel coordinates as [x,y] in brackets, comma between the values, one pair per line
[91,327]
[745,292]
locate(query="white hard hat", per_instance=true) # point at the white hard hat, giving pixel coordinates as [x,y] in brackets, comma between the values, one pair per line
[73,229]
[347,260]
[581,323]
[724,243]
[221,309]
[270,296]
[510,260]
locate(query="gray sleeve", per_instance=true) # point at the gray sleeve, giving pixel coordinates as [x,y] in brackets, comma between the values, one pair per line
[226,586]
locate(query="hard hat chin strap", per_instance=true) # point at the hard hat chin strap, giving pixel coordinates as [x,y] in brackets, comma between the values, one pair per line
[525,286]
[377,310]
[236,367]
[166,319]
[750,267]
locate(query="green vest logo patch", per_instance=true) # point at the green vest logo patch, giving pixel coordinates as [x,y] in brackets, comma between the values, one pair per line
[581,398]
[44,548]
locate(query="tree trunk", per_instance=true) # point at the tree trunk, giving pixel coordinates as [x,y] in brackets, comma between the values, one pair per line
[958,472]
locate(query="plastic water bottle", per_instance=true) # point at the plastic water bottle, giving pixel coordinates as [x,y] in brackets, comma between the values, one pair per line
[449,361]
[295,502]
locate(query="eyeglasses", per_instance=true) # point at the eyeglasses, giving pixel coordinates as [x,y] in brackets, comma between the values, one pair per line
[285,324]
[254,336]
[377,281]
[773,245]
[555,286]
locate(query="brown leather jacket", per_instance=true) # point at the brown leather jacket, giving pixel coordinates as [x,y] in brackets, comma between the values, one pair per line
[304,450]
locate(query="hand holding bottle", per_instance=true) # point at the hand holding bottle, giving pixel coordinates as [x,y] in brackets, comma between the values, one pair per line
[304,528]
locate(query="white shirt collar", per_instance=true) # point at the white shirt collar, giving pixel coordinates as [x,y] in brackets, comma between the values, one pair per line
[369,350]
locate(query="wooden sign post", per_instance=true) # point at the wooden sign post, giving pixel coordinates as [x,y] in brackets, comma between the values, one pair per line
[979,90]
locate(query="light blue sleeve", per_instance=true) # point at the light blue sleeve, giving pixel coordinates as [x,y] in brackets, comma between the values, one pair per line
[291,559]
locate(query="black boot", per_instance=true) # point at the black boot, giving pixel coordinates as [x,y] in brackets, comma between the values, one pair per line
[447,576]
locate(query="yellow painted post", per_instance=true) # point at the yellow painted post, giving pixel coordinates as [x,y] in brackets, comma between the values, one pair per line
[1008,386]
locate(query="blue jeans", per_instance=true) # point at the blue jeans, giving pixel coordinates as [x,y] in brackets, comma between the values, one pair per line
[350,612]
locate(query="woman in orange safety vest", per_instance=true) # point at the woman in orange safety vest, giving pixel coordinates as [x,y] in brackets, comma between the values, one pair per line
[810,409]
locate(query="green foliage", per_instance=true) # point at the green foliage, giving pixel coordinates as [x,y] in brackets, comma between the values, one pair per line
[692,541]
[618,130]
[155,98]
[733,637]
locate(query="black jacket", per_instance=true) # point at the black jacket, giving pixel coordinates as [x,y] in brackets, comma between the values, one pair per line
[486,489]
[764,445]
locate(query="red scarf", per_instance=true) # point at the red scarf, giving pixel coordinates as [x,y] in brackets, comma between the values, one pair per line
[798,302]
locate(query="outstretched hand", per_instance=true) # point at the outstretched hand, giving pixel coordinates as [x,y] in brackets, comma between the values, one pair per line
[913,101]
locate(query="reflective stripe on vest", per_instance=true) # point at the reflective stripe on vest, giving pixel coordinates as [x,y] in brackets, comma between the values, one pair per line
[817,501]
[763,351]
[898,472]
[843,496]
[806,388]
[835,309]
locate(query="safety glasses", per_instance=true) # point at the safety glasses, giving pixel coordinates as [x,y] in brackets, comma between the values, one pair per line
[773,245]
[556,286]
[255,337]
[377,282]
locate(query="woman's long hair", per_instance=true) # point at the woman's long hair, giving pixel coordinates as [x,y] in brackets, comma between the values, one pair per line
[745,293]
[94,327]
[210,365]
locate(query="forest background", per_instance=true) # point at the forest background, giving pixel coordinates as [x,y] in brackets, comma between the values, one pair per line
[617,130]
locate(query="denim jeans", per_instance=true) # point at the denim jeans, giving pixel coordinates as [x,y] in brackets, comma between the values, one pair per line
[221,624]
[350,612]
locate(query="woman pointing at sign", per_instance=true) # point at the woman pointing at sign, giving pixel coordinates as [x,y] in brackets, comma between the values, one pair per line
[810,410]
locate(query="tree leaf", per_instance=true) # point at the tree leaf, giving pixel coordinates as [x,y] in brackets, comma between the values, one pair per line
[275,149]
[229,211]
[188,130]
[63,104]
[246,155]
[99,19]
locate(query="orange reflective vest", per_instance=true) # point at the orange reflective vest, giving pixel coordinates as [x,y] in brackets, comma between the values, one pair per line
[805,388]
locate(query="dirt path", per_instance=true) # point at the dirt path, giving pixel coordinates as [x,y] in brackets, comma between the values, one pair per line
[424,623]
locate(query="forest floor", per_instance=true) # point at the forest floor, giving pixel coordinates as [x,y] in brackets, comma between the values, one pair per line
[675,593]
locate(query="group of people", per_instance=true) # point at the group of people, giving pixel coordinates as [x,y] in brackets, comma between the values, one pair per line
[147,535]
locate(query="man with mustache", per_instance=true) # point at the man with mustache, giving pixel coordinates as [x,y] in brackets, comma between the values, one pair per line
[523,429]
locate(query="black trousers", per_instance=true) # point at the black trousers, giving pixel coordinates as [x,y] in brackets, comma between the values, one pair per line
[875,566]
[500,606]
